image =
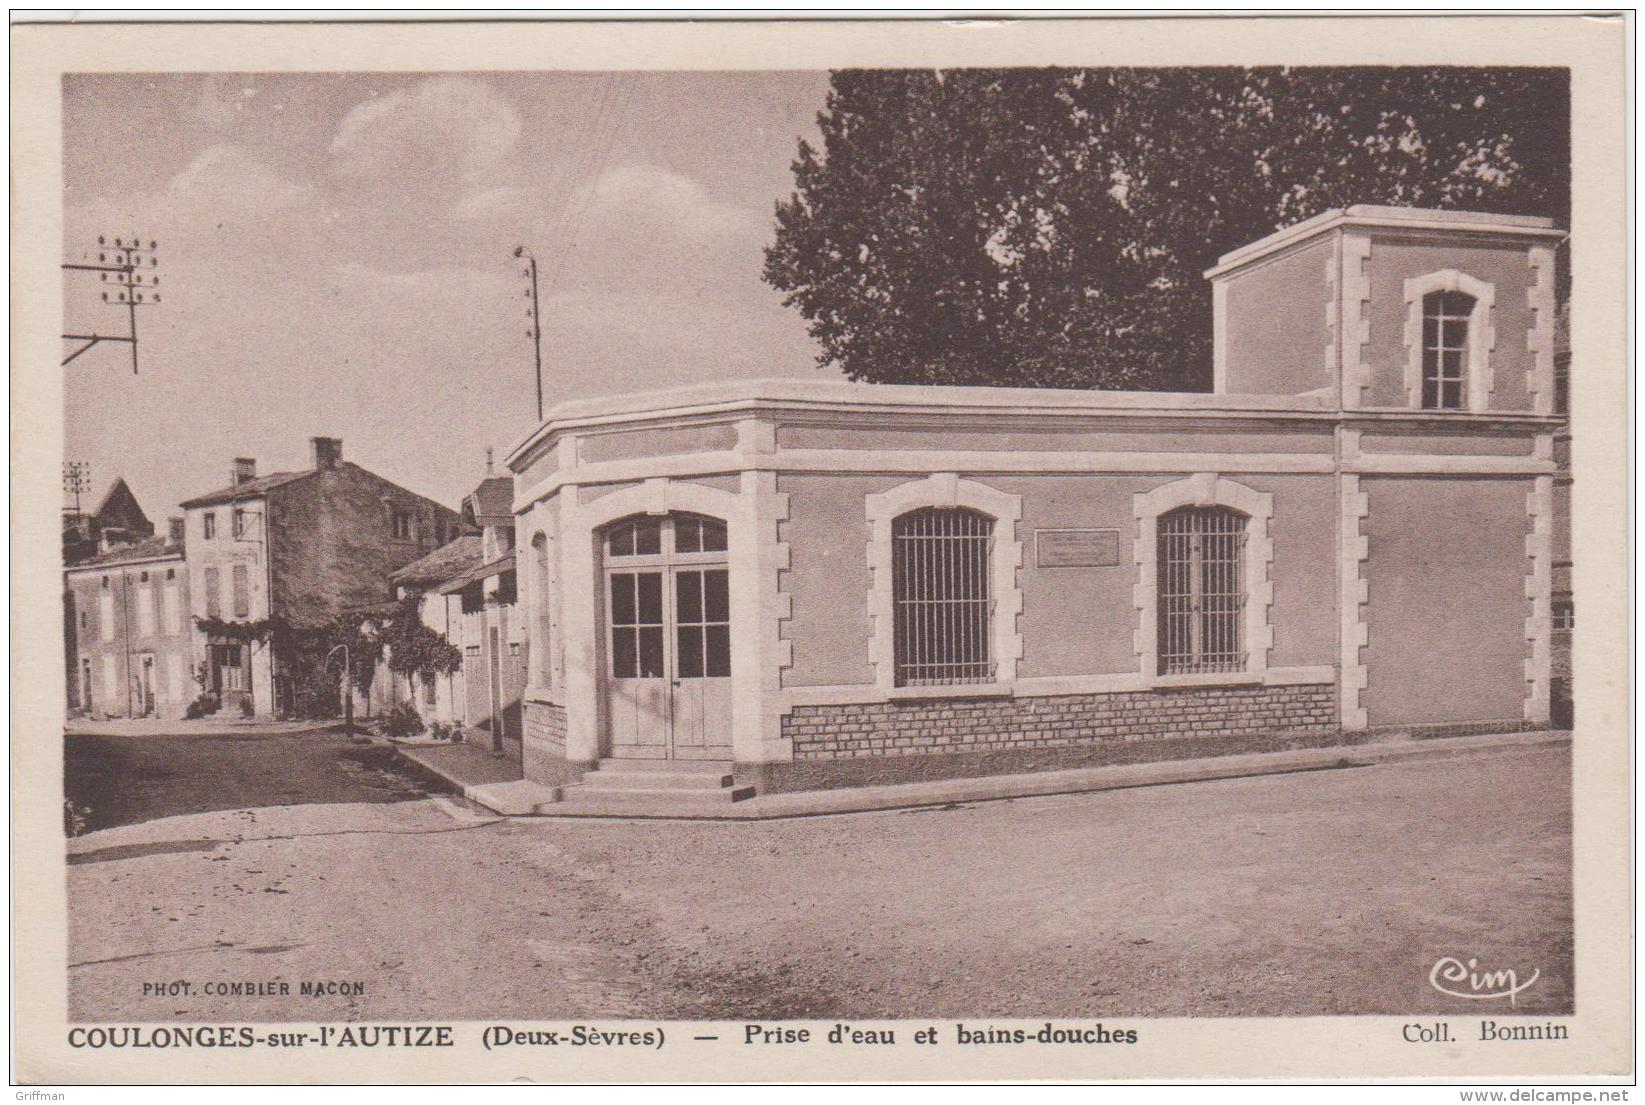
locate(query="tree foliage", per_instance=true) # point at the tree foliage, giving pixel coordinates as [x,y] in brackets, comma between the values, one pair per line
[310,657]
[412,647]
[1049,227]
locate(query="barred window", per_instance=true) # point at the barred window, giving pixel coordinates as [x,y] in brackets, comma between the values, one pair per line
[1201,591]
[1564,616]
[1445,318]
[944,613]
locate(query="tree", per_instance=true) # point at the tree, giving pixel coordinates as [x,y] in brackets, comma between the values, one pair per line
[1049,227]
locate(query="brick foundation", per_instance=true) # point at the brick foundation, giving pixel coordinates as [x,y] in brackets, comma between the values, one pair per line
[543,753]
[898,742]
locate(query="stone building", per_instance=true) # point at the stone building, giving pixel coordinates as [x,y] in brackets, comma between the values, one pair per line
[128,629]
[117,520]
[816,584]
[467,592]
[302,547]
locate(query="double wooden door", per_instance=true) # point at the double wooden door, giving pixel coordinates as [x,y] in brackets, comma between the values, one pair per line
[668,639]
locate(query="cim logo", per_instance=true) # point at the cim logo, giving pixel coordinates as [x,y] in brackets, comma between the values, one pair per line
[1465,980]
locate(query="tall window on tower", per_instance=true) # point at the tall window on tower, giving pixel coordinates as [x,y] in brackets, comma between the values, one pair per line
[1445,317]
[939,578]
[1201,591]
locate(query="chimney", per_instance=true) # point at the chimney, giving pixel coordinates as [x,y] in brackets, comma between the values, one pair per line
[326,451]
[174,530]
[243,471]
[488,461]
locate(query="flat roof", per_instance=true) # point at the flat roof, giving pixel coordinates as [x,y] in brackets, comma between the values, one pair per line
[1387,218]
[793,394]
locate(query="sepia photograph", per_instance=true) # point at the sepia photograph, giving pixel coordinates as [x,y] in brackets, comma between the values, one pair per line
[815,551]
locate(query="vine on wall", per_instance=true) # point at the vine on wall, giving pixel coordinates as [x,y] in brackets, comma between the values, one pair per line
[309,661]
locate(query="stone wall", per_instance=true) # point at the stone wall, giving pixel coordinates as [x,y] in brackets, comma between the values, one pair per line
[333,544]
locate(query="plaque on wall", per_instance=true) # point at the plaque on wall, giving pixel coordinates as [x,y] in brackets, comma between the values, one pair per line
[1076,548]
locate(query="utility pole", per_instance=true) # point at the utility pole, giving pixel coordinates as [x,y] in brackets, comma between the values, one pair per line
[535,314]
[121,271]
[125,631]
[76,480]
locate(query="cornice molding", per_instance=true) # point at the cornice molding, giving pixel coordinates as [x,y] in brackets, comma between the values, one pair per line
[1412,220]
[786,399]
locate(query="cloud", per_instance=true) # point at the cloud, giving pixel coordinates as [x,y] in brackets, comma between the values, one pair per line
[229,176]
[504,202]
[440,124]
[653,199]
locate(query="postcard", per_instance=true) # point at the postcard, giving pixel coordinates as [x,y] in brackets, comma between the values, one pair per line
[821,550]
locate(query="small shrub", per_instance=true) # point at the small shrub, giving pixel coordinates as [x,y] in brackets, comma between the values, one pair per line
[457,734]
[440,731]
[246,709]
[205,703]
[74,818]
[403,721]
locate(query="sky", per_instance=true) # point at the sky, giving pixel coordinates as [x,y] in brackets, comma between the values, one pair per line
[335,258]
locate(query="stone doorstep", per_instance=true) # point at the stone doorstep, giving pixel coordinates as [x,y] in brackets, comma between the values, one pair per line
[514,798]
[518,798]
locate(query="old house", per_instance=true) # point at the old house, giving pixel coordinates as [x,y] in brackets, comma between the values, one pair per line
[468,593]
[442,699]
[117,519]
[129,632]
[814,584]
[294,548]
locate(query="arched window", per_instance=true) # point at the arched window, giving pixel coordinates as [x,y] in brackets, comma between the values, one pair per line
[542,598]
[943,615]
[1201,566]
[1446,317]
[1449,337]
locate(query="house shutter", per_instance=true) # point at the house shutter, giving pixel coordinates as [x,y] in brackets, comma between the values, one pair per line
[242,592]
[173,621]
[214,593]
[145,611]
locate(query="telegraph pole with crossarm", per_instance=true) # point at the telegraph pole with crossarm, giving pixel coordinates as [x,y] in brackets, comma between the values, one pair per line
[125,271]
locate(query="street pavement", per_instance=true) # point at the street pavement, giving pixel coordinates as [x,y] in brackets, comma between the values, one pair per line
[119,779]
[1321,892]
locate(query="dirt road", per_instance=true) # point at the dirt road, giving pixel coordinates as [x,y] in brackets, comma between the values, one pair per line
[1315,893]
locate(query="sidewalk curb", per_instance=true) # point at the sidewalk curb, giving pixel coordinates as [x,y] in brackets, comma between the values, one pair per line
[994,788]
[185,729]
